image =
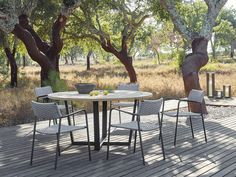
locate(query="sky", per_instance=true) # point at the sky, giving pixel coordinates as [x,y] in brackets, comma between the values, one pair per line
[231,3]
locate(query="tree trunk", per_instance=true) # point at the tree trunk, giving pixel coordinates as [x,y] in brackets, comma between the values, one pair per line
[158,57]
[213,49]
[66,60]
[24,61]
[88,59]
[47,56]
[127,62]
[72,60]
[13,67]
[124,58]
[191,66]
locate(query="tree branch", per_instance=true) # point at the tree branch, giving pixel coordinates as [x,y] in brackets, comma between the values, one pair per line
[30,44]
[57,43]
[210,18]
[42,45]
[82,36]
[177,20]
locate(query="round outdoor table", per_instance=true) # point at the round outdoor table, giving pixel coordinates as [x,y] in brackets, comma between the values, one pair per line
[115,95]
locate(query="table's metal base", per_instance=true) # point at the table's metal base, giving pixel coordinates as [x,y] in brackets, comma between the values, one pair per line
[99,141]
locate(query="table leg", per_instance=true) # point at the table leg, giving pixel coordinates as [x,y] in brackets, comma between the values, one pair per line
[96,125]
[104,119]
[69,122]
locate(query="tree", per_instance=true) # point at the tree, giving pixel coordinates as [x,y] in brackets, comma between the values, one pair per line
[10,54]
[113,24]
[225,30]
[199,38]
[45,54]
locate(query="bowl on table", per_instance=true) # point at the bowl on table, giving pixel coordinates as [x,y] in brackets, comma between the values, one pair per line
[85,88]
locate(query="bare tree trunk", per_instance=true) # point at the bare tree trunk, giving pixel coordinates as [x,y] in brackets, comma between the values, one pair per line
[213,49]
[72,60]
[88,59]
[24,61]
[127,61]
[66,60]
[11,58]
[191,66]
[47,56]
[158,57]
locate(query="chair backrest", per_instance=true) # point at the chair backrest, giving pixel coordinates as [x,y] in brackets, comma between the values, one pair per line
[129,86]
[43,91]
[150,107]
[196,95]
[46,110]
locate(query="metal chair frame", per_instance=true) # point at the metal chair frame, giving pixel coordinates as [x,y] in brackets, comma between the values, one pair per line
[138,129]
[187,114]
[58,132]
[131,87]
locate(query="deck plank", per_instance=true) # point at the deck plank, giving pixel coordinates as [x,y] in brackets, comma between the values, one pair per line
[190,157]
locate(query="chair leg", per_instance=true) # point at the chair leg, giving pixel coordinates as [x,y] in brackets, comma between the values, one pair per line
[32,150]
[87,129]
[141,146]
[109,134]
[89,149]
[135,140]
[161,120]
[203,124]
[119,115]
[176,130]
[191,124]
[72,109]
[162,146]
[57,150]
[136,103]
[108,141]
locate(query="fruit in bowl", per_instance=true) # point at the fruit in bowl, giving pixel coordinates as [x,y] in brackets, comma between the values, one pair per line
[85,88]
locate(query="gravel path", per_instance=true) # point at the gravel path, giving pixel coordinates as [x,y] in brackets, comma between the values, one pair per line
[220,112]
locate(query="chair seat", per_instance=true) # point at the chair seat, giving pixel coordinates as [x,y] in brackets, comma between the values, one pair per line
[64,128]
[123,104]
[134,126]
[181,114]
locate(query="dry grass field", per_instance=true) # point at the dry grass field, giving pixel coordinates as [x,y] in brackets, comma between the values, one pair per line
[161,80]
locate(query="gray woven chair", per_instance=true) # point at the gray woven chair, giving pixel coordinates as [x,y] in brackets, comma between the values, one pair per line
[51,111]
[41,94]
[123,86]
[195,96]
[146,108]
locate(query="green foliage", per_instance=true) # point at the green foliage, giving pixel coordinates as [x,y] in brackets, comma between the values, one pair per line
[55,82]
[210,67]
[101,21]
[3,65]
[193,14]
[44,16]
[224,31]
[179,56]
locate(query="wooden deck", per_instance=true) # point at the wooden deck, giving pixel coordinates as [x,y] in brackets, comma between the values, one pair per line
[191,157]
